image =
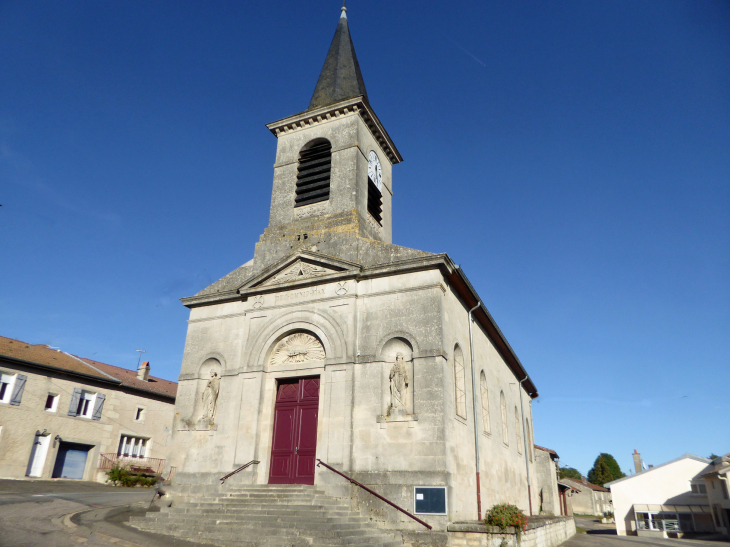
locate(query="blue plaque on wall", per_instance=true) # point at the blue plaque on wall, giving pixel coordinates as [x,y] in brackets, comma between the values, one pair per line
[430,500]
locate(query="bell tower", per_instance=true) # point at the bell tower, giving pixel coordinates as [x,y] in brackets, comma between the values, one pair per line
[333,182]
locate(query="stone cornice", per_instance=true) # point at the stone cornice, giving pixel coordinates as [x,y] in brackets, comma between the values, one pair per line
[316,116]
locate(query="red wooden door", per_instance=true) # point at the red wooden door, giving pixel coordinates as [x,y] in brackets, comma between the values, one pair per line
[294,444]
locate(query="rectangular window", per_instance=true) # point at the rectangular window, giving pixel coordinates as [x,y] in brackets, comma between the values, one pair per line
[132,447]
[6,387]
[86,404]
[51,402]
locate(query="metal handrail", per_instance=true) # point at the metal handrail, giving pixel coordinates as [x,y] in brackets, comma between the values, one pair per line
[353,481]
[244,466]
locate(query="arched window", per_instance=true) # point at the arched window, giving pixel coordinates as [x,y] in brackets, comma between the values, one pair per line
[518,430]
[485,402]
[313,173]
[459,387]
[530,441]
[503,409]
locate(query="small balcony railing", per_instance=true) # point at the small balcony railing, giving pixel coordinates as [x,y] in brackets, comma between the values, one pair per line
[153,466]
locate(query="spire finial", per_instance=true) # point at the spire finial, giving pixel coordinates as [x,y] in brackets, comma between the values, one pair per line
[343,15]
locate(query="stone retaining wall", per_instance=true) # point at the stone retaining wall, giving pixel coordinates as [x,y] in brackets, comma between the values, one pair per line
[540,533]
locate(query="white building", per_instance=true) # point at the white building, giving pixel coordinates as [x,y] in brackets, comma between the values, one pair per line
[664,501]
[716,485]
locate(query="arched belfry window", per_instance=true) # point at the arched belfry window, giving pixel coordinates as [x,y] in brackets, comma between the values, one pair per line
[313,173]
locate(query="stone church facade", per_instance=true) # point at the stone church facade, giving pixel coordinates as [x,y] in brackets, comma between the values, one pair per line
[335,344]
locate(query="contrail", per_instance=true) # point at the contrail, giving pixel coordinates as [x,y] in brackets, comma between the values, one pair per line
[477,59]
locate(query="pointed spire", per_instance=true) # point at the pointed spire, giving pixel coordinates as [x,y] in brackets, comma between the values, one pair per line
[340,77]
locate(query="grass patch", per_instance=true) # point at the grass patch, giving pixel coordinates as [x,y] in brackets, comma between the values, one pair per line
[579,530]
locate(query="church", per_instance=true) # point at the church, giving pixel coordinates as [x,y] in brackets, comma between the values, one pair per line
[335,346]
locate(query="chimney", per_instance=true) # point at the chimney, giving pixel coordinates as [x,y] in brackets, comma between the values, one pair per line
[637,461]
[143,372]
[583,479]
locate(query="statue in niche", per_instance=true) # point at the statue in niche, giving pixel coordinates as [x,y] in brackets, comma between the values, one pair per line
[398,384]
[210,397]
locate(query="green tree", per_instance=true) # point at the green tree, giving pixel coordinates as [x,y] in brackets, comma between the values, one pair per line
[712,456]
[600,474]
[613,467]
[570,473]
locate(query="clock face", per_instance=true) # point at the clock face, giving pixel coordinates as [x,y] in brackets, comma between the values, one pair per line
[375,173]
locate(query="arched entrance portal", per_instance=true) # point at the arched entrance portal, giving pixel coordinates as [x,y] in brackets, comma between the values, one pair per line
[296,409]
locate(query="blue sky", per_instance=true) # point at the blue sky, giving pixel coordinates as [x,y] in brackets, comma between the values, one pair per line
[573,157]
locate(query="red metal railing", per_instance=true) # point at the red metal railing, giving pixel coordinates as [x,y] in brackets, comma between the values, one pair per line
[244,466]
[138,465]
[353,481]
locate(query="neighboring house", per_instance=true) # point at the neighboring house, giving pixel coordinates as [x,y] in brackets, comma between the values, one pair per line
[589,498]
[666,500]
[716,486]
[566,493]
[62,416]
[548,491]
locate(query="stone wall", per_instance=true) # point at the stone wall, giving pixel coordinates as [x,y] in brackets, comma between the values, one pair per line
[540,533]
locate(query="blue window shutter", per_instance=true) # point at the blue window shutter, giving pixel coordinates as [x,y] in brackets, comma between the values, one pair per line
[18,389]
[98,405]
[75,396]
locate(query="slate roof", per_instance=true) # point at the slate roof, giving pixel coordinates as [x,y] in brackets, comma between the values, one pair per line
[586,484]
[42,355]
[340,78]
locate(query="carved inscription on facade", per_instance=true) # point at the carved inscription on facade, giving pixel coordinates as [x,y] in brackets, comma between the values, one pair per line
[297,295]
[299,347]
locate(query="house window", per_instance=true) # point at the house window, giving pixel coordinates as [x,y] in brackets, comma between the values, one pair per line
[132,447]
[51,402]
[139,415]
[485,402]
[503,411]
[86,404]
[518,429]
[530,441]
[698,488]
[459,386]
[313,173]
[7,382]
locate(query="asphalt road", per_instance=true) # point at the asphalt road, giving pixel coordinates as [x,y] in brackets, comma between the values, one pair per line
[70,513]
[604,535]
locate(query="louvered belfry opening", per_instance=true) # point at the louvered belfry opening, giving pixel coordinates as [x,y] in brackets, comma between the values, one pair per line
[313,173]
[375,202]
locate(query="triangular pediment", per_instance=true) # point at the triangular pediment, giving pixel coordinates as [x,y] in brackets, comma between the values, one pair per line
[300,267]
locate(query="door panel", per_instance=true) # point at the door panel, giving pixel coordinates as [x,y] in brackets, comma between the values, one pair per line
[294,443]
[70,461]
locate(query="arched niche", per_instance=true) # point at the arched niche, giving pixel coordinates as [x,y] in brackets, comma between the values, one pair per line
[397,382]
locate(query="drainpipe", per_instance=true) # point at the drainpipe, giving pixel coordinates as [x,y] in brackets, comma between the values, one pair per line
[474,406]
[527,454]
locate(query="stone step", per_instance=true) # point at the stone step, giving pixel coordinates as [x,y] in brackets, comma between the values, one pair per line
[344,518]
[266,516]
[296,524]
